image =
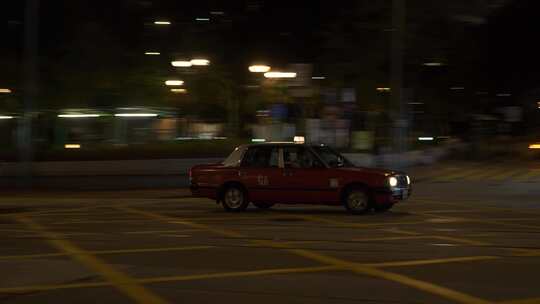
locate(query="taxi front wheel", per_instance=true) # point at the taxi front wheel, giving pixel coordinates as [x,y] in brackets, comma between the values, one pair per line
[234,199]
[356,201]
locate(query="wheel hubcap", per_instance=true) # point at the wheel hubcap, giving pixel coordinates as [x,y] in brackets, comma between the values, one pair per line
[234,198]
[357,201]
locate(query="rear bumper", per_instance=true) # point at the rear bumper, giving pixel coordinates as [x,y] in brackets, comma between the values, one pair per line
[198,191]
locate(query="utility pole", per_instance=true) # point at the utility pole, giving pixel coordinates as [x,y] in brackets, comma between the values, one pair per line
[396,79]
[31,25]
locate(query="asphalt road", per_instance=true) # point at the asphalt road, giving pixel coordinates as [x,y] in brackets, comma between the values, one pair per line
[465,238]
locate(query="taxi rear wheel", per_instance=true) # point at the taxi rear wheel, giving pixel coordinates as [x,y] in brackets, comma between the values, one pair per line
[234,199]
[263,205]
[357,201]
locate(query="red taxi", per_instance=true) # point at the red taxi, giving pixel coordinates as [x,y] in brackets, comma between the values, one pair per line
[288,173]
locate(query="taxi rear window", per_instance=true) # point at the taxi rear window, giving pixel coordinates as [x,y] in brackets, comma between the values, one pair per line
[261,157]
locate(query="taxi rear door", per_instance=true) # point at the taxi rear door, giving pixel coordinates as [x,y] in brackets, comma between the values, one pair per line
[260,172]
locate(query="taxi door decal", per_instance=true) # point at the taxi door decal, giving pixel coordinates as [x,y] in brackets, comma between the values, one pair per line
[262,180]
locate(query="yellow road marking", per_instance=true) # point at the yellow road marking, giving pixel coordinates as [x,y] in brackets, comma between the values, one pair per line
[331,261]
[349,225]
[460,240]
[401,231]
[25,289]
[121,281]
[105,252]
[398,278]
[505,174]
[530,174]
[522,301]
[392,238]
[161,231]
[239,274]
[432,261]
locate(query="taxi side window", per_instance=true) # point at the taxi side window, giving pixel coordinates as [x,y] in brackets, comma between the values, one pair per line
[261,157]
[300,157]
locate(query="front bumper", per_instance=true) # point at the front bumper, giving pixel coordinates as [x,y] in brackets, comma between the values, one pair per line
[392,195]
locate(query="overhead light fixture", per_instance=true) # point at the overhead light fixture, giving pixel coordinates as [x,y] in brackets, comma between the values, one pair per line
[174,82]
[136,115]
[78,115]
[202,19]
[383,89]
[426,138]
[280,75]
[258,140]
[200,61]
[152,53]
[5,91]
[6,117]
[534,146]
[259,68]
[179,90]
[162,22]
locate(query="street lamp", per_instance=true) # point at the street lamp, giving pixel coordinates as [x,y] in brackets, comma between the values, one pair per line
[199,61]
[174,82]
[259,68]
[181,63]
[280,75]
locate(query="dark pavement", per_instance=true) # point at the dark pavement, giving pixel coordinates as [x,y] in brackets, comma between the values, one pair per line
[464,237]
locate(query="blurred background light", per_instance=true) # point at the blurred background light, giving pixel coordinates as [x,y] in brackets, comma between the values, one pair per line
[259,68]
[199,61]
[78,115]
[136,115]
[181,63]
[6,117]
[179,90]
[174,82]
[280,75]
[162,22]
[258,140]
[202,19]
[318,78]
[425,138]
[432,64]
[383,89]
[6,91]
[534,146]
[72,146]
[457,88]
[152,53]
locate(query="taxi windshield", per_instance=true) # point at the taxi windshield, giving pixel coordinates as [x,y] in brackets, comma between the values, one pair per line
[331,157]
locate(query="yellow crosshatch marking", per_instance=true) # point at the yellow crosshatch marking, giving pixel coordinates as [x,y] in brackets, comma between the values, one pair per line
[121,281]
[331,261]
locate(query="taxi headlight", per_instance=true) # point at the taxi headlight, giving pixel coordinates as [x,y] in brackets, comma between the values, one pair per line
[408,180]
[392,181]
